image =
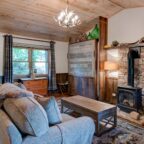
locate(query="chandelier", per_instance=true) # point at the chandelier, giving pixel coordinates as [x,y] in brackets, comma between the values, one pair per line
[67,18]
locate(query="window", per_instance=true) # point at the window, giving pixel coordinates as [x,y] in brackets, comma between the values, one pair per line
[40,61]
[27,59]
[20,61]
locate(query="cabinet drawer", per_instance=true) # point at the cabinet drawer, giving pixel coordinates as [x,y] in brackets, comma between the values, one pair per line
[40,91]
[35,83]
[39,86]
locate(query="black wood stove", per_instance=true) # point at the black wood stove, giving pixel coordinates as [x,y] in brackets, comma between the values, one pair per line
[129,98]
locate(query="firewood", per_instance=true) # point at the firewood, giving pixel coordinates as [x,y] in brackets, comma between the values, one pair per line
[135,115]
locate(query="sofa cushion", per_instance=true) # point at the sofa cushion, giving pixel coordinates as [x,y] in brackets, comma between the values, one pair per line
[53,136]
[51,107]
[76,131]
[66,117]
[9,134]
[28,115]
[10,90]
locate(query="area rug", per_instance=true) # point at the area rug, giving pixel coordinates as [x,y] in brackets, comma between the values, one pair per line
[124,133]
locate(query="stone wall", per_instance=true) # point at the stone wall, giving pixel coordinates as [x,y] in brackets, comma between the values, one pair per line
[123,68]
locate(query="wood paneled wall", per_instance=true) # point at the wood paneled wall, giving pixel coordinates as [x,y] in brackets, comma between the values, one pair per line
[84,86]
[61,77]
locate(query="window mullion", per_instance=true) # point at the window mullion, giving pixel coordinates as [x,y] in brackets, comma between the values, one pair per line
[30,61]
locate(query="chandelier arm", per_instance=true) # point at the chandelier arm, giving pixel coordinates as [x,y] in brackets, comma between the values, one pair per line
[67,18]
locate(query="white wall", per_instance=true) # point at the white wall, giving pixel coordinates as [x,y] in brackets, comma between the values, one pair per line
[126,26]
[61,50]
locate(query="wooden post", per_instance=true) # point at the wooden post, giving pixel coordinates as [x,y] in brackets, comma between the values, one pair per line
[103,23]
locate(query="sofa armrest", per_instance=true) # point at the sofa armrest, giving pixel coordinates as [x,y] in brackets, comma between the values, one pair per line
[9,134]
[79,130]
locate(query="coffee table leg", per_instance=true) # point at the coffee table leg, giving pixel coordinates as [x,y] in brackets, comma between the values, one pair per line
[115,119]
[97,128]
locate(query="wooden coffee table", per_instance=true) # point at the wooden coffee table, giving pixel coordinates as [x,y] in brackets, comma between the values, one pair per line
[104,115]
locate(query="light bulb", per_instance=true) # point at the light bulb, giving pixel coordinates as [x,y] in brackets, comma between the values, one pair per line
[76,17]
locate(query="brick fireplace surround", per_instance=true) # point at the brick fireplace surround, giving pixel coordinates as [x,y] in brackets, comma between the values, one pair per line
[123,68]
[130,91]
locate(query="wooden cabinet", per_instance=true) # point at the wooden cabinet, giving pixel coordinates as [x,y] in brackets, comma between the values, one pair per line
[39,86]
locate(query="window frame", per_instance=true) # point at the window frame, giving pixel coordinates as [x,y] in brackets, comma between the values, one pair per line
[30,49]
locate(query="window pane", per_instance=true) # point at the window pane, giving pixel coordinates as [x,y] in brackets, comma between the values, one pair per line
[41,67]
[20,68]
[20,54]
[39,55]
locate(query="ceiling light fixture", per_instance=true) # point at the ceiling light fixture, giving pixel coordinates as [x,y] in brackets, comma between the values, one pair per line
[67,18]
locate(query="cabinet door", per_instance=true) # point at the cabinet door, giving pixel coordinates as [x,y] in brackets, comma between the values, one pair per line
[37,86]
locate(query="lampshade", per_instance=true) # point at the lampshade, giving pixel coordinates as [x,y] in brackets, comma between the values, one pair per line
[110,66]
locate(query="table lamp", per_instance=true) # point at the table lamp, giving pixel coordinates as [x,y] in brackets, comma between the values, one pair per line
[111,67]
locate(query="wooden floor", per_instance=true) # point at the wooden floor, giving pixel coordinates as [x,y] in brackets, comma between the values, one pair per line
[58,95]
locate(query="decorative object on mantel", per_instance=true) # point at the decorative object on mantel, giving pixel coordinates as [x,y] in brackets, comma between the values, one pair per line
[121,45]
[115,43]
[82,37]
[67,18]
[139,43]
[94,34]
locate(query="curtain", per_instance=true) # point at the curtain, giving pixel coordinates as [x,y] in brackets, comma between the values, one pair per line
[8,66]
[52,72]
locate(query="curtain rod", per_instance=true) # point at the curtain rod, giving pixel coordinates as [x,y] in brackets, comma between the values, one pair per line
[31,39]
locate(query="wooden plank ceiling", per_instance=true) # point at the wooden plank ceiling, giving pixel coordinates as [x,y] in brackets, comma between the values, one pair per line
[36,17]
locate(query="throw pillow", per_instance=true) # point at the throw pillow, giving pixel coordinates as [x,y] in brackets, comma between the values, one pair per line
[9,90]
[28,115]
[8,131]
[51,107]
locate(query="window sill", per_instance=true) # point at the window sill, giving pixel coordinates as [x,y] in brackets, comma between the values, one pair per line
[37,78]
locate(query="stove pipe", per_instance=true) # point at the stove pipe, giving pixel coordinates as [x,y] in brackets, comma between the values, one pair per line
[132,55]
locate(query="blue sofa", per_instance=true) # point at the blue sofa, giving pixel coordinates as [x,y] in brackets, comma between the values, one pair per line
[24,121]
[70,131]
